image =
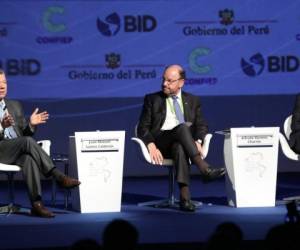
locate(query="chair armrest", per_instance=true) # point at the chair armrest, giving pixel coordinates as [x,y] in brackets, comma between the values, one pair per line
[289,153]
[9,168]
[145,152]
[143,148]
[45,144]
[205,145]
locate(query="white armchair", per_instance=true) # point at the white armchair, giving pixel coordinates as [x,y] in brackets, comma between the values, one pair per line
[288,152]
[10,171]
[170,201]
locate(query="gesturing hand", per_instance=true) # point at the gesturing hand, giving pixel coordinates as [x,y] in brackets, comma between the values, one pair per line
[38,118]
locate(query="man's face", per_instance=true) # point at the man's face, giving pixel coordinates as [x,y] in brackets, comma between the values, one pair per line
[171,82]
[3,86]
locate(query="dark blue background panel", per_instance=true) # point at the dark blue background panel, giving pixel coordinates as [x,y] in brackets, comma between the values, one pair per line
[83,49]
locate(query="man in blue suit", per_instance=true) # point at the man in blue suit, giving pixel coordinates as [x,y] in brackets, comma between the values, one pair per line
[18,147]
[172,126]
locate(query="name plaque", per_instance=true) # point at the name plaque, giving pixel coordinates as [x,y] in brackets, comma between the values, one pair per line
[264,140]
[100,145]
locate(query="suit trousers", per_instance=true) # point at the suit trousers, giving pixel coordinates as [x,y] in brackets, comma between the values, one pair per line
[26,153]
[179,145]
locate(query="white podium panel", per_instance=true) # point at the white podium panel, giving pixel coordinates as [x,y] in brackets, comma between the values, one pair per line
[251,157]
[97,161]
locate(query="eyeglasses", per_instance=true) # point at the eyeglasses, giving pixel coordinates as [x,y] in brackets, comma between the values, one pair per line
[170,81]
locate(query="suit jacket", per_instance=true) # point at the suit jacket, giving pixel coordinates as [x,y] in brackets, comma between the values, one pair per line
[21,126]
[295,126]
[154,112]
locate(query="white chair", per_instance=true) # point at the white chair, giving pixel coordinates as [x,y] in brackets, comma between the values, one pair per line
[288,152]
[10,171]
[170,201]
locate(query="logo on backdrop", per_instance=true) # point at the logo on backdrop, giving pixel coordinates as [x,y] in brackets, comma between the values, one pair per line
[273,64]
[195,62]
[3,32]
[297,37]
[112,69]
[254,66]
[4,28]
[113,23]
[52,22]
[227,25]
[226,16]
[23,67]
[112,60]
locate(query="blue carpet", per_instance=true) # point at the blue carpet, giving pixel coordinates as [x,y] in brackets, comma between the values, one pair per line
[155,226]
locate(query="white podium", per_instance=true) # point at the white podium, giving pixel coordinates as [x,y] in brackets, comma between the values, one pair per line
[96,159]
[251,157]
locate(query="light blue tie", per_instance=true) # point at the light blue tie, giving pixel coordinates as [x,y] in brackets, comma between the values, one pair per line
[9,132]
[178,111]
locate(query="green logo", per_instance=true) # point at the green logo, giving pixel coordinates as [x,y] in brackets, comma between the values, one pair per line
[48,19]
[194,61]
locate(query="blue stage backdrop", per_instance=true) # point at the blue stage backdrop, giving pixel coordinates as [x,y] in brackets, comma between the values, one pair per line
[91,62]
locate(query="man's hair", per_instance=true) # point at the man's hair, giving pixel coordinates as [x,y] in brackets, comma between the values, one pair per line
[1,71]
[181,71]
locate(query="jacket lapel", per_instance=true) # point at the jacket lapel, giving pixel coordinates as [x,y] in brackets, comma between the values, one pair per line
[11,110]
[186,106]
[163,108]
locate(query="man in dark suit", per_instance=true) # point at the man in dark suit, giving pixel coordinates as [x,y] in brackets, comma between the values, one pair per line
[18,147]
[172,126]
[295,127]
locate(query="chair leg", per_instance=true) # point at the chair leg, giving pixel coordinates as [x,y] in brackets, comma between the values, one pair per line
[171,196]
[170,202]
[66,192]
[53,195]
[10,208]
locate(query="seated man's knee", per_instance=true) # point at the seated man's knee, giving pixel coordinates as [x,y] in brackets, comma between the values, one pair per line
[177,149]
[26,140]
[183,129]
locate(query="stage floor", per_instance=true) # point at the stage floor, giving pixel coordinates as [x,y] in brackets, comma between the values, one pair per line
[164,227]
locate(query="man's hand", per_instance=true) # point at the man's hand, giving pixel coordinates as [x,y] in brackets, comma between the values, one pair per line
[7,121]
[199,147]
[38,118]
[155,154]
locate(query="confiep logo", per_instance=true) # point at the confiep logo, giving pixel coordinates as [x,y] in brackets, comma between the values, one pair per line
[194,63]
[48,19]
[51,24]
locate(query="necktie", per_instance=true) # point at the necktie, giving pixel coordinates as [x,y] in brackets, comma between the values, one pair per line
[177,109]
[9,132]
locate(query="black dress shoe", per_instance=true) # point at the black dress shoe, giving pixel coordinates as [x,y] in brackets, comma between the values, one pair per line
[39,210]
[187,206]
[213,174]
[68,182]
